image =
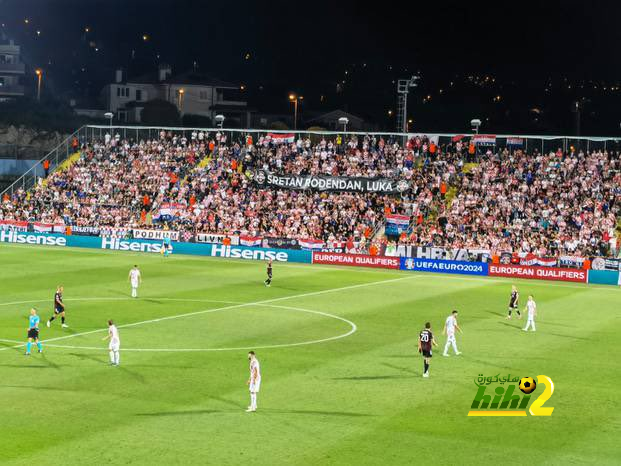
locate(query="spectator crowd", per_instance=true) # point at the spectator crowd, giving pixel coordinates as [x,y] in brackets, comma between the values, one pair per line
[549,204]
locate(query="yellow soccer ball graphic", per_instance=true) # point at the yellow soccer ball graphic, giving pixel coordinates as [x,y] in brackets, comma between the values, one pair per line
[527,385]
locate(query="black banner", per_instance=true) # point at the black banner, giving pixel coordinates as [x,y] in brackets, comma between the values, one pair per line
[435,253]
[280,243]
[602,263]
[85,231]
[331,183]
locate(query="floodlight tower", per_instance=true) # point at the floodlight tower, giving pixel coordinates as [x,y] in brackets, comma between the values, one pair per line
[403,89]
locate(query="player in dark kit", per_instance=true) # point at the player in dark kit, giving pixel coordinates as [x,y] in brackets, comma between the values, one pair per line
[268,281]
[425,342]
[59,307]
[513,302]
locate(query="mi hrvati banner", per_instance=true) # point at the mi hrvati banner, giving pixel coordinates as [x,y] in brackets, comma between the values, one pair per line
[331,183]
[396,224]
[157,235]
[436,253]
[484,139]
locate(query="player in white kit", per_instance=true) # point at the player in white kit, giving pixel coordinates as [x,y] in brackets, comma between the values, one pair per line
[135,279]
[531,309]
[115,343]
[254,382]
[449,330]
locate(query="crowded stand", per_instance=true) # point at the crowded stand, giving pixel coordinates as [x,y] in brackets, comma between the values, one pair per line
[547,204]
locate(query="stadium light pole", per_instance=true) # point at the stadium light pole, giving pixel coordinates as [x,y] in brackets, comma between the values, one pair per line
[39,73]
[403,89]
[220,121]
[294,99]
[180,99]
[476,124]
[343,121]
[109,116]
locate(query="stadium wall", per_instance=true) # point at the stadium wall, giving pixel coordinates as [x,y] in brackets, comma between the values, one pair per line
[154,247]
[604,277]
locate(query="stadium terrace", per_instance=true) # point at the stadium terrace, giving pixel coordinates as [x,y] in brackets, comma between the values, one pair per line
[334,192]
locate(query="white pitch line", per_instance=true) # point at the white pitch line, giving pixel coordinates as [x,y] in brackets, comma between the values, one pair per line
[352,330]
[234,306]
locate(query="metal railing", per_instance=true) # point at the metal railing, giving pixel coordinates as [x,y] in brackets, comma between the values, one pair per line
[541,143]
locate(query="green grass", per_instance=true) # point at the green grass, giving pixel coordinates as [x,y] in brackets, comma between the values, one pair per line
[355,400]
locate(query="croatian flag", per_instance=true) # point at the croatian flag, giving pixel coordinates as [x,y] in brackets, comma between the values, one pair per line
[246,240]
[515,141]
[396,224]
[546,261]
[169,210]
[484,139]
[310,244]
[532,259]
[400,220]
[43,227]
[457,137]
[281,138]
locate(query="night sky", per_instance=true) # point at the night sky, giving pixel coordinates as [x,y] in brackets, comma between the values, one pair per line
[538,57]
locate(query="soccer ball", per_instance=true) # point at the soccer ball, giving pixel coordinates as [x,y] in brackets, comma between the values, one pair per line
[527,385]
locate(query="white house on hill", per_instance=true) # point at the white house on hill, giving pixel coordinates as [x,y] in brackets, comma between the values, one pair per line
[192,93]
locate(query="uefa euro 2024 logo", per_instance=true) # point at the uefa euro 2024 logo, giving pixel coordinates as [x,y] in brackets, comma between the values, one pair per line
[409,264]
[505,401]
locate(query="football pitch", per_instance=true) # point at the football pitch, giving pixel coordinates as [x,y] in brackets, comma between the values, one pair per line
[341,375]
